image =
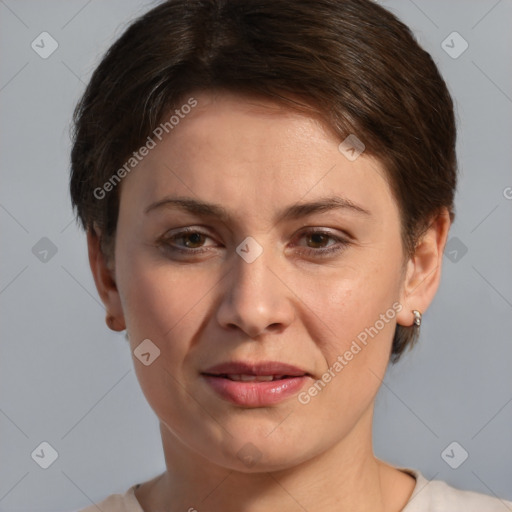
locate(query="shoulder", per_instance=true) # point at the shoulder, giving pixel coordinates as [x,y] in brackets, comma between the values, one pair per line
[126,502]
[438,496]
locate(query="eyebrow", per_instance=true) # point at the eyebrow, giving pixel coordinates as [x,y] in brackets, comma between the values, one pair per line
[295,211]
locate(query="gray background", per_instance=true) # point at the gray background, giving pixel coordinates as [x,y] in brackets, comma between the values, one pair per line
[68,380]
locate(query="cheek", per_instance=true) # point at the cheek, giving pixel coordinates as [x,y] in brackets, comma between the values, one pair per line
[355,312]
[165,306]
[351,300]
[158,296]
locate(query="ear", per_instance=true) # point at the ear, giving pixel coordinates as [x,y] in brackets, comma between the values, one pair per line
[104,277]
[423,272]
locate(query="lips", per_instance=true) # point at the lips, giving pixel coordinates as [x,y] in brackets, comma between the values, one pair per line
[255,385]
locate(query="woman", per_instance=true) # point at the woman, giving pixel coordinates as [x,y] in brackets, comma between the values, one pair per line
[267,189]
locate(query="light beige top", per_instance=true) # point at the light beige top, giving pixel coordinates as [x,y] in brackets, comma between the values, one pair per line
[427,496]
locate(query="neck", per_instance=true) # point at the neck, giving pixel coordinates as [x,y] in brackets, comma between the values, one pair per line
[346,477]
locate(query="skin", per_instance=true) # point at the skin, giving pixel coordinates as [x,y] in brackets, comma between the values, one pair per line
[255,158]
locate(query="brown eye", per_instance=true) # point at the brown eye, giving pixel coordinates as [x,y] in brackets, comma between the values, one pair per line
[321,243]
[319,240]
[187,242]
[192,240]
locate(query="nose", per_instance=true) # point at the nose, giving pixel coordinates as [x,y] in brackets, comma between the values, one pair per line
[254,298]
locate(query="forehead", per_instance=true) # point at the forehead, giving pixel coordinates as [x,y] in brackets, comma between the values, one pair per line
[248,129]
[253,152]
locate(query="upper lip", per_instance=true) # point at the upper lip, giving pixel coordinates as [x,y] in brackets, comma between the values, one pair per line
[259,368]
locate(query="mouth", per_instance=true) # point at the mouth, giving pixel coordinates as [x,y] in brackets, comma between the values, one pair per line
[255,384]
[251,378]
[241,370]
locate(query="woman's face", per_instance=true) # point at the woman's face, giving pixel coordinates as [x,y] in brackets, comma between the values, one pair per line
[312,286]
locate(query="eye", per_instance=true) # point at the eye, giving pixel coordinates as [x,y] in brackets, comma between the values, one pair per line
[321,243]
[187,241]
[191,241]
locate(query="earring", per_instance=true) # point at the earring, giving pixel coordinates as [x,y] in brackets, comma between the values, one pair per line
[417,317]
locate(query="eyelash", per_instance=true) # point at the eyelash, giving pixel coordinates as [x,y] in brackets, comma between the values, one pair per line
[309,251]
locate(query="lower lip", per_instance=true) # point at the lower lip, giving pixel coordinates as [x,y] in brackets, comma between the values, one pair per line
[256,394]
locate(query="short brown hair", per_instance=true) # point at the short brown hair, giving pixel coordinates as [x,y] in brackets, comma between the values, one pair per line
[351,61]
